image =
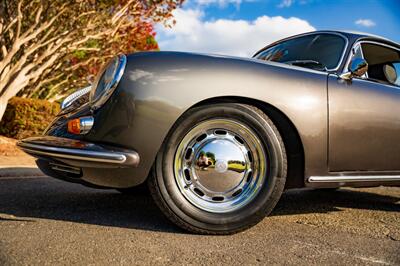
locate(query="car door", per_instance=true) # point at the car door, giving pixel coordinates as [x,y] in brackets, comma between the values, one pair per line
[364,114]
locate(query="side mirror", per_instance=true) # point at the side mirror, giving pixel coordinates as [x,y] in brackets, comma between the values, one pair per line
[357,68]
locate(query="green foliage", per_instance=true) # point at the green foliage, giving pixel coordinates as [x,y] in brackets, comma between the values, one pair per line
[237,167]
[92,43]
[27,117]
[211,157]
[80,54]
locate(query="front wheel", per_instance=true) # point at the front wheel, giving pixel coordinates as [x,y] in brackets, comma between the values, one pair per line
[221,169]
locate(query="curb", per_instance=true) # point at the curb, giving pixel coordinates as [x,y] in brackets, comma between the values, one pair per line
[18,166]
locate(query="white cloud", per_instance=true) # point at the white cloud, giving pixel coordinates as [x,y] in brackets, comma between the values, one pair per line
[285,3]
[223,36]
[365,23]
[221,3]
[289,3]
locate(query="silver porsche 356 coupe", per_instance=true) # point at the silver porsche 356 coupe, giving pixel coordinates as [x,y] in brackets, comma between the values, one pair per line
[218,139]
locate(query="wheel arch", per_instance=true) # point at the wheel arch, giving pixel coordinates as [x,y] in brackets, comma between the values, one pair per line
[288,131]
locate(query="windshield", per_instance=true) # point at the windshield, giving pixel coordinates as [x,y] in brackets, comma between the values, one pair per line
[317,51]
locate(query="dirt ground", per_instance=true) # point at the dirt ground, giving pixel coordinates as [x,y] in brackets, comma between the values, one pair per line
[10,155]
[7,147]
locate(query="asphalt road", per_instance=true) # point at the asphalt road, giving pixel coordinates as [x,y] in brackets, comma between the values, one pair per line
[45,221]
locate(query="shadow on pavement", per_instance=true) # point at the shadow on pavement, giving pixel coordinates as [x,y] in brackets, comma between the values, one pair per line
[47,198]
[325,201]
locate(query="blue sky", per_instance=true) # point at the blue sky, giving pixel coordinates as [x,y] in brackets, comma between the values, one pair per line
[241,27]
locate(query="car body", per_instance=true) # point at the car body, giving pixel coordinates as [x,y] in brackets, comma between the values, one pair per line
[339,128]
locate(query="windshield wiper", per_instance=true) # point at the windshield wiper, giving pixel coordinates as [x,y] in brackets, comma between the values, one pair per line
[308,63]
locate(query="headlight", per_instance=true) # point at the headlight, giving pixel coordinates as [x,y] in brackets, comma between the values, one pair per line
[107,81]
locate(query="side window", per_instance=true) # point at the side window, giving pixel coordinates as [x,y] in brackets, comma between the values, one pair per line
[383,63]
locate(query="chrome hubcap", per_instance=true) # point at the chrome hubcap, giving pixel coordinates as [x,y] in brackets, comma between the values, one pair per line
[220,165]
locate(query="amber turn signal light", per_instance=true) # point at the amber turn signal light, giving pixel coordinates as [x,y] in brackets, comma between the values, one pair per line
[74,126]
[80,125]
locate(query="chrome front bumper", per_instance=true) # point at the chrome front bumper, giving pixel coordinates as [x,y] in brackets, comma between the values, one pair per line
[79,153]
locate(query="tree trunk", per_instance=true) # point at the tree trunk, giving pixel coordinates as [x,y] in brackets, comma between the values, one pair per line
[3,105]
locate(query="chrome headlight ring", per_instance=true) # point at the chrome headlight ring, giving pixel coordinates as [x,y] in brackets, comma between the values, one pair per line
[74,96]
[107,81]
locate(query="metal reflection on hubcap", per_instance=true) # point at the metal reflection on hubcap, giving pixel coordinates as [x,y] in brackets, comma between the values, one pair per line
[220,165]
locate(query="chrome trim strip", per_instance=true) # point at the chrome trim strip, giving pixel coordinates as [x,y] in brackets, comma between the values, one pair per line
[74,154]
[347,179]
[343,53]
[378,43]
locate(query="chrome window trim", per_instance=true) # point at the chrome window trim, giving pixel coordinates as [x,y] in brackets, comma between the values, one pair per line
[314,33]
[372,42]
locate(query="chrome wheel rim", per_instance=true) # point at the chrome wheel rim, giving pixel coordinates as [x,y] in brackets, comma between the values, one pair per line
[220,165]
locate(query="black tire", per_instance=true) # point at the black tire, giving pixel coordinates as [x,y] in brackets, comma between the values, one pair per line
[180,211]
[141,190]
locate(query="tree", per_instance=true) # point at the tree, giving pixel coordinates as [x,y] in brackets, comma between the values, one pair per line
[46,45]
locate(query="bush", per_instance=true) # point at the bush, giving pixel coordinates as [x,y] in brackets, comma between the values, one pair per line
[27,117]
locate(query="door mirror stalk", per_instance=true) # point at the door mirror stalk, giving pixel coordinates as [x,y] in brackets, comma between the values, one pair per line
[357,68]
